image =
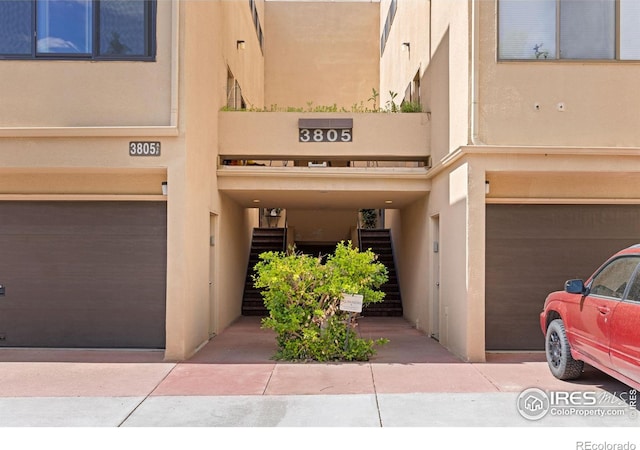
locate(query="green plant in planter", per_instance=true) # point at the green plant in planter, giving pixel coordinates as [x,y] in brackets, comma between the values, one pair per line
[374,98]
[303,298]
[410,107]
[391,105]
[369,218]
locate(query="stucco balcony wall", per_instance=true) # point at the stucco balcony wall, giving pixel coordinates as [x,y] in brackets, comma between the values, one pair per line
[275,135]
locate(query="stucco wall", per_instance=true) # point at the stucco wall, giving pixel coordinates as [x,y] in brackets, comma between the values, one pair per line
[449,200]
[234,23]
[66,127]
[437,33]
[600,99]
[437,97]
[411,237]
[454,197]
[322,225]
[84,93]
[195,310]
[441,34]
[322,53]
[400,63]
[261,135]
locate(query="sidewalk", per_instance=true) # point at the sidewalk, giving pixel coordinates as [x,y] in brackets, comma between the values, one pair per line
[232,382]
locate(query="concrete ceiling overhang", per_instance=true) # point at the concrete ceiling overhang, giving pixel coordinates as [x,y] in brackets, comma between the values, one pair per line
[330,188]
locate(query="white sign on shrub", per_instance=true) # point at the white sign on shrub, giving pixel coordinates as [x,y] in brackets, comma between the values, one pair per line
[351,303]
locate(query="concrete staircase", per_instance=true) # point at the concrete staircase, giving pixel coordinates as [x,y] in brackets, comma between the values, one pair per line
[274,239]
[263,240]
[379,241]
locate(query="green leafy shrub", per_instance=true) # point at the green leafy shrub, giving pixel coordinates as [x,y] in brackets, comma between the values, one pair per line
[303,297]
[410,107]
[369,218]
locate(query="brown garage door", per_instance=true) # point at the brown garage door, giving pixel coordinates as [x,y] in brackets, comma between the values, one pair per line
[83,274]
[532,250]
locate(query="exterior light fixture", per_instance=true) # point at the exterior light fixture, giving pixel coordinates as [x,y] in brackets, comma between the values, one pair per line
[388,202]
[240,45]
[165,188]
[256,201]
[487,187]
[406,46]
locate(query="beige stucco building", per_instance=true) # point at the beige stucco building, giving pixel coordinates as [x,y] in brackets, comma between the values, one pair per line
[520,170]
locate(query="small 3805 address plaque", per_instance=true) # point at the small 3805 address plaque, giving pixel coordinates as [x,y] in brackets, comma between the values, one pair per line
[144,148]
[325,130]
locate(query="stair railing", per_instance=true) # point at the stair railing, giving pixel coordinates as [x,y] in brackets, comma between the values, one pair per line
[359,231]
[286,227]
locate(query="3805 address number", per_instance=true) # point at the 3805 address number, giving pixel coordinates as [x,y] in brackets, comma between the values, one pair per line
[144,148]
[325,135]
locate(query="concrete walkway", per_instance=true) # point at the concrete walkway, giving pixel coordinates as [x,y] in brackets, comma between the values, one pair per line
[232,382]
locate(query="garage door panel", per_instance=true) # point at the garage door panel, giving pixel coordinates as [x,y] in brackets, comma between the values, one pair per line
[561,222]
[81,327]
[74,281]
[532,250]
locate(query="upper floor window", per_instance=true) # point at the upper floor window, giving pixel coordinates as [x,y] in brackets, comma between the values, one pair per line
[569,29]
[393,7]
[256,22]
[77,29]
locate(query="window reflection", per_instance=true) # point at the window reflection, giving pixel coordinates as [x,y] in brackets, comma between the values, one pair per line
[587,29]
[568,29]
[64,26]
[612,280]
[527,29]
[629,29]
[15,27]
[122,27]
[77,29]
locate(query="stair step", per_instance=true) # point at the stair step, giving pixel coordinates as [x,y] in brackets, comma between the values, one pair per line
[257,304]
[263,240]
[380,243]
[374,233]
